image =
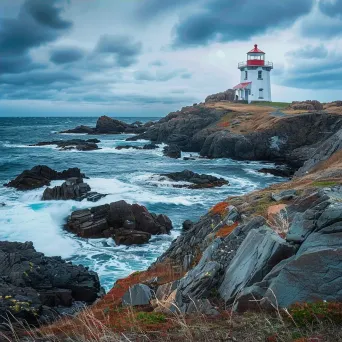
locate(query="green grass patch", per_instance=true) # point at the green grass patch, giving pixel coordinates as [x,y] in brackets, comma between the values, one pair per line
[151,317]
[311,313]
[272,104]
[325,183]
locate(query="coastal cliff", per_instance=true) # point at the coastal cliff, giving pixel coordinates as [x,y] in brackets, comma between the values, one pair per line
[270,252]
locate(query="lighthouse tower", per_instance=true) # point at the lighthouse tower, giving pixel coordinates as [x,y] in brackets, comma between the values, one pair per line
[255,77]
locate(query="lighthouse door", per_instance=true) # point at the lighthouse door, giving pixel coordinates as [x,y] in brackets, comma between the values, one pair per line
[246,94]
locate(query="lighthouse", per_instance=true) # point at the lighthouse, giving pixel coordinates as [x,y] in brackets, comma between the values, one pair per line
[255,81]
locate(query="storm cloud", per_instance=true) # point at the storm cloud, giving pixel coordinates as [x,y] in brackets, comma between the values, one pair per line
[66,55]
[225,21]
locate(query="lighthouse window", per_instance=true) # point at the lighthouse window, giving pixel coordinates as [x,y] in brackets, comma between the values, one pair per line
[261,93]
[260,75]
[246,75]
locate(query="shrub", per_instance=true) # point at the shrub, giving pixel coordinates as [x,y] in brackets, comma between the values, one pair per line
[151,317]
[309,313]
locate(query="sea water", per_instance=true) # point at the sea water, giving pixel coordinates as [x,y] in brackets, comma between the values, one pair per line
[128,175]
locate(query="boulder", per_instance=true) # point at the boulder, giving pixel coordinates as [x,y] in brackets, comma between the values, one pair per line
[31,281]
[172,151]
[138,294]
[41,175]
[78,144]
[199,181]
[130,237]
[72,189]
[228,95]
[258,254]
[107,125]
[80,130]
[278,172]
[306,105]
[284,195]
[187,225]
[126,223]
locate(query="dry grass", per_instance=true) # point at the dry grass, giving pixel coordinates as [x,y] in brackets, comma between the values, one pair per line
[248,327]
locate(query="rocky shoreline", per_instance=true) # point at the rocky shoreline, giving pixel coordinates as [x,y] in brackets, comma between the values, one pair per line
[267,250]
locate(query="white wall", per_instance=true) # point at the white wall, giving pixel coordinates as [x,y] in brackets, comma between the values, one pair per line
[265,84]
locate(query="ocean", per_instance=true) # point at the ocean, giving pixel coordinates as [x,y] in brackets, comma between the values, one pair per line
[122,174]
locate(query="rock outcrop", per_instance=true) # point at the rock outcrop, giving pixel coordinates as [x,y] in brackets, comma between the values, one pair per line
[228,95]
[198,181]
[187,128]
[107,125]
[145,147]
[74,144]
[306,105]
[41,175]
[126,223]
[172,151]
[72,189]
[253,266]
[30,289]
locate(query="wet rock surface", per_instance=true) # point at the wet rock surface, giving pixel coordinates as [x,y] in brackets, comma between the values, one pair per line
[72,189]
[127,223]
[74,144]
[41,175]
[254,266]
[30,289]
[172,151]
[199,181]
[107,125]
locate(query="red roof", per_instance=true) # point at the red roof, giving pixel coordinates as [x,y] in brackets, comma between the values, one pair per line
[242,85]
[256,50]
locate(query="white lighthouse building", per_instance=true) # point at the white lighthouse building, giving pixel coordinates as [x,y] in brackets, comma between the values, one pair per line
[255,82]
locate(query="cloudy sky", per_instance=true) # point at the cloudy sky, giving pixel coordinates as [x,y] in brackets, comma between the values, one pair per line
[148,57]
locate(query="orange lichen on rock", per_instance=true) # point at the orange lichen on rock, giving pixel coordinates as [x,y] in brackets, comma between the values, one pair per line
[273,211]
[223,124]
[108,313]
[226,230]
[220,208]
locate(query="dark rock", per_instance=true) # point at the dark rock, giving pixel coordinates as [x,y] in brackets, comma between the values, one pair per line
[71,189]
[278,172]
[138,294]
[134,223]
[284,195]
[126,147]
[150,147]
[187,128]
[199,181]
[80,129]
[41,175]
[31,283]
[306,105]
[2,204]
[108,125]
[131,237]
[187,225]
[172,151]
[228,95]
[258,254]
[78,144]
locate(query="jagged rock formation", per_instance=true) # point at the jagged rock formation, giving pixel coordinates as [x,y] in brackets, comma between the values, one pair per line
[228,95]
[187,128]
[74,144]
[306,105]
[145,147]
[71,189]
[172,151]
[127,224]
[107,125]
[251,266]
[30,289]
[41,175]
[198,181]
